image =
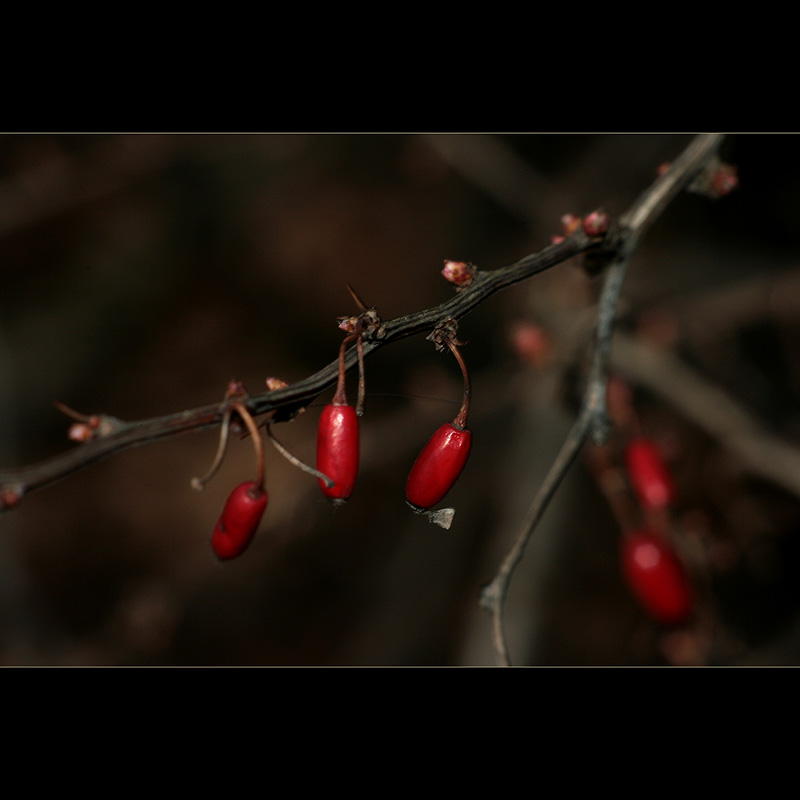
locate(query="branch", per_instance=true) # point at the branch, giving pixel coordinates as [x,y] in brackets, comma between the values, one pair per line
[592,421]
[712,409]
[113,435]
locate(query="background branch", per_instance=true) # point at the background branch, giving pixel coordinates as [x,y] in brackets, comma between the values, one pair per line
[710,408]
[592,420]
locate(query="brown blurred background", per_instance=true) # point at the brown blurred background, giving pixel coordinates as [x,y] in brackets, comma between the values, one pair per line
[141,272]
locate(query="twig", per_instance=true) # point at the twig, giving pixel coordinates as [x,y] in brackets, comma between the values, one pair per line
[712,409]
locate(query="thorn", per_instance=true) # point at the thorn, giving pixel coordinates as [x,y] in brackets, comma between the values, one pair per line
[358,301]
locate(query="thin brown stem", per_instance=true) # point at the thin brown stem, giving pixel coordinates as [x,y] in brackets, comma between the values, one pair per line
[258,445]
[199,483]
[296,461]
[362,384]
[356,299]
[340,397]
[461,419]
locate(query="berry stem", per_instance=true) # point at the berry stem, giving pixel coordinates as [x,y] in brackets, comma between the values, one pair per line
[258,444]
[460,421]
[72,413]
[362,385]
[296,461]
[340,397]
[199,483]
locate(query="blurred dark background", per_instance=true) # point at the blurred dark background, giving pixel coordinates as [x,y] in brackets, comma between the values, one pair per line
[140,273]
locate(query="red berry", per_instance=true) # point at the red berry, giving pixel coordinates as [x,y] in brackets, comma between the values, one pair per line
[657,577]
[649,474]
[239,520]
[337,450]
[438,466]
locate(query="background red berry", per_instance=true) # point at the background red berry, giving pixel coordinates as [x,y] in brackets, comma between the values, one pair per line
[649,474]
[657,577]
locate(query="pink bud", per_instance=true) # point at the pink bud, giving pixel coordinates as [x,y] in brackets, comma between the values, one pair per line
[596,223]
[461,273]
[569,224]
[80,432]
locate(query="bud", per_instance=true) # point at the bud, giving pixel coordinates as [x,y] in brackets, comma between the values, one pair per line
[275,383]
[348,324]
[596,223]
[461,273]
[81,432]
[569,224]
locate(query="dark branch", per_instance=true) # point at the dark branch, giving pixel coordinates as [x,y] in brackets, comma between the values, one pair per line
[116,435]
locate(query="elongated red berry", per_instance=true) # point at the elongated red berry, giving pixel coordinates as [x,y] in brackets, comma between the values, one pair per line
[337,450]
[657,577]
[438,466]
[239,520]
[649,474]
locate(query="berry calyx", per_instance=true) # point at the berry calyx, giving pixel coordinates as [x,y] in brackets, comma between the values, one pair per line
[239,520]
[657,577]
[649,474]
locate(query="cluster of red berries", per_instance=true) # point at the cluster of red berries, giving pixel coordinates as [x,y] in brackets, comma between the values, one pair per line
[434,472]
[437,467]
[650,565]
